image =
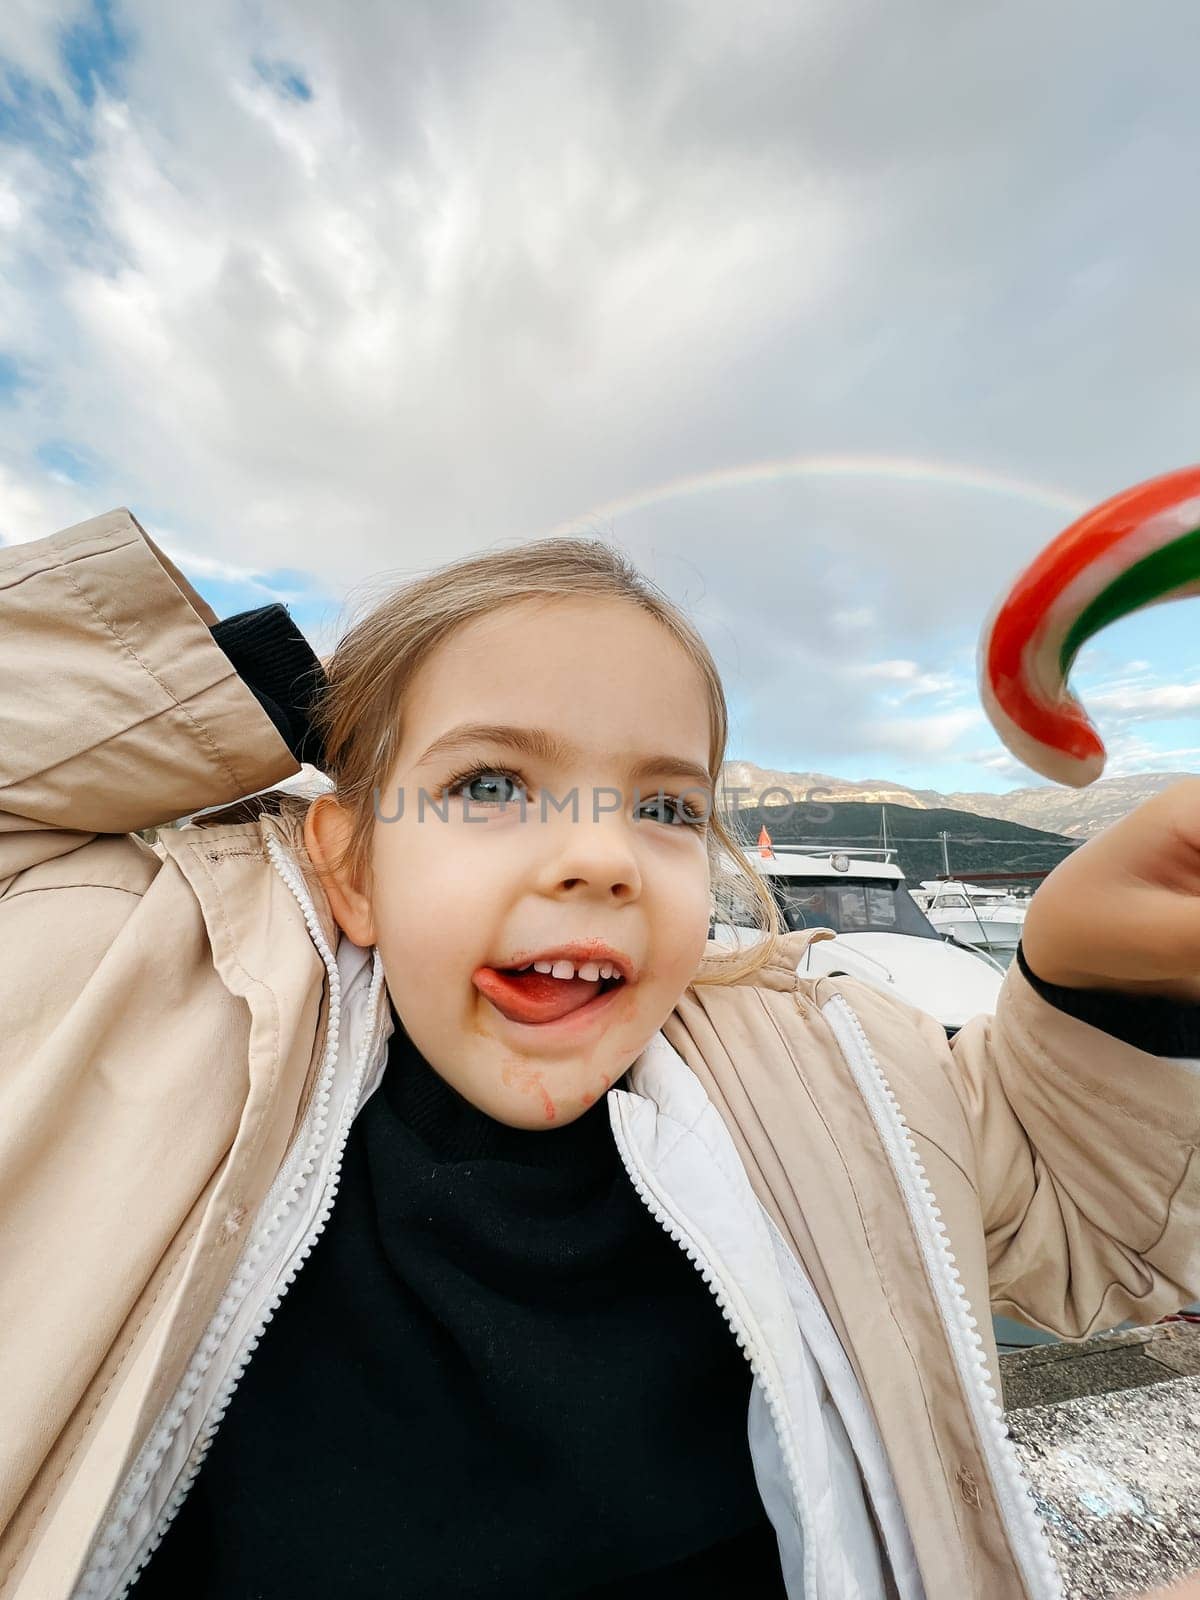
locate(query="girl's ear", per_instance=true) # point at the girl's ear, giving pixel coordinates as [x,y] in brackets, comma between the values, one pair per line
[327,829]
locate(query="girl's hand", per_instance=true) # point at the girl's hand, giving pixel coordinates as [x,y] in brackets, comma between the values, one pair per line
[1123,911]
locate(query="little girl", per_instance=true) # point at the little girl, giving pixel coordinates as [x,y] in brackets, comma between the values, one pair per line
[400,1198]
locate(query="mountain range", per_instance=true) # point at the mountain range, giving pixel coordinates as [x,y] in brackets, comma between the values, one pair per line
[1077,813]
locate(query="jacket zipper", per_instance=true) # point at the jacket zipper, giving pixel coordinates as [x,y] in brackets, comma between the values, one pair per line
[1030,1547]
[749,1342]
[282,1196]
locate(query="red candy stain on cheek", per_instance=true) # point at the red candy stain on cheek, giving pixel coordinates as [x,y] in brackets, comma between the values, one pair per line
[589,1098]
[528,1080]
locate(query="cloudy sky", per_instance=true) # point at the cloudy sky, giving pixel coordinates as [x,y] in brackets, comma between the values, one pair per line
[830,314]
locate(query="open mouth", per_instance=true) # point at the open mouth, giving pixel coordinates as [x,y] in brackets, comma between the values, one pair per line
[547,990]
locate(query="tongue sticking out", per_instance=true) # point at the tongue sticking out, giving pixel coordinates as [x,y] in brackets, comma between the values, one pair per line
[534,996]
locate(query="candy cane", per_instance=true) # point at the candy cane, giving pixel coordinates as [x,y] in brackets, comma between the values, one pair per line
[1139,548]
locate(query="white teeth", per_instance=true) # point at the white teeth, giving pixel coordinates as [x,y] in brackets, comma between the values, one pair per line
[591,971]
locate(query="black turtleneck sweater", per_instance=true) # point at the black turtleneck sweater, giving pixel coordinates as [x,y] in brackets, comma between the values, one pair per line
[495,1375]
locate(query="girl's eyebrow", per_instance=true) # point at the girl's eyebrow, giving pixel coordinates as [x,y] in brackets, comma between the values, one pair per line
[549,747]
[534,742]
[677,766]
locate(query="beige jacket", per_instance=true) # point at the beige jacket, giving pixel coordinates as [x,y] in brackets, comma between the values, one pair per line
[166,1096]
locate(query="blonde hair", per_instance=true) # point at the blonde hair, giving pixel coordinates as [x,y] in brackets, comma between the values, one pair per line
[359,713]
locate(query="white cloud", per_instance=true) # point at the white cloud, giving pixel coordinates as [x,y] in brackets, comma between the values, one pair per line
[1138,704]
[1000,762]
[889,671]
[939,734]
[1128,754]
[913,683]
[29,34]
[854,618]
[30,509]
[929,683]
[345,333]
[512,262]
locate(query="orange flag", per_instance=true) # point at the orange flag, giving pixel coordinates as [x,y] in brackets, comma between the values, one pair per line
[764,844]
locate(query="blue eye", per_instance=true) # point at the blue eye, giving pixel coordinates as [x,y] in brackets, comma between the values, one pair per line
[490,788]
[670,809]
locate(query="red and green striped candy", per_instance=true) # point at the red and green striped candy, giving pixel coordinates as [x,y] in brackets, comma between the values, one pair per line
[1135,550]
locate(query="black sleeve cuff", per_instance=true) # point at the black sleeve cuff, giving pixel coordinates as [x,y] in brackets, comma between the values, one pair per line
[277,664]
[1154,1023]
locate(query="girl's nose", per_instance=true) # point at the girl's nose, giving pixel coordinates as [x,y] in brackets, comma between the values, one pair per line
[594,858]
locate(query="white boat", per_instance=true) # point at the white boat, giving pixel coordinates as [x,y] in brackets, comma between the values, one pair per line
[881,936]
[989,919]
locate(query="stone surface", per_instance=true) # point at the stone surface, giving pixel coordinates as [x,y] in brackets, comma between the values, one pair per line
[1048,1373]
[1177,1348]
[1115,1467]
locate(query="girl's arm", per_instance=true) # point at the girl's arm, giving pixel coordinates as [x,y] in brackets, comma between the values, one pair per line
[119,710]
[1158,1024]
[278,666]
[1085,1118]
[1089,1081]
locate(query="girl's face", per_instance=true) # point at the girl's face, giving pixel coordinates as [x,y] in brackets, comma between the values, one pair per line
[553,757]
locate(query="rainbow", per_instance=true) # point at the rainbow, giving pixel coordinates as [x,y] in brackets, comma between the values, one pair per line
[889,469]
